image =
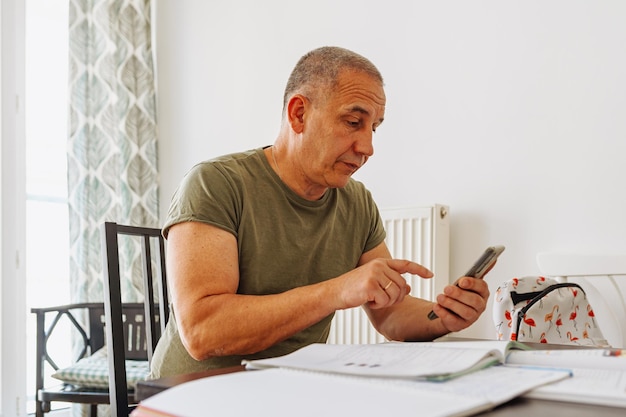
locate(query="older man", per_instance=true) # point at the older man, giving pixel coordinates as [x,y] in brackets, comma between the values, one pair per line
[265,245]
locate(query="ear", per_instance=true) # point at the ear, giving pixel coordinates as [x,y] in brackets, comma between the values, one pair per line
[295,112]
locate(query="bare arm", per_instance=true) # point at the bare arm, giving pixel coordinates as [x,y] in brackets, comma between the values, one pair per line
[213,320]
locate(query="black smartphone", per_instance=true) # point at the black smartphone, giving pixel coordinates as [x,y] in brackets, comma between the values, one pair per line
[480,267]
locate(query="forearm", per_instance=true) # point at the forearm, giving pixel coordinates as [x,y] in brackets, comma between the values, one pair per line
[229,324]
[407,321]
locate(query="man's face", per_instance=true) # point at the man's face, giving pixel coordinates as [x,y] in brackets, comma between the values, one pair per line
[339,128]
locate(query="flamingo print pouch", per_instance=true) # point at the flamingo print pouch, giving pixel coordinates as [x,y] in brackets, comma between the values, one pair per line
[541,310]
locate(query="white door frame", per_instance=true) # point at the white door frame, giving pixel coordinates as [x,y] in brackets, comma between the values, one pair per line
[13,207]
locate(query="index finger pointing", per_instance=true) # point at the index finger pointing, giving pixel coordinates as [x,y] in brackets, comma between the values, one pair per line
[402,266]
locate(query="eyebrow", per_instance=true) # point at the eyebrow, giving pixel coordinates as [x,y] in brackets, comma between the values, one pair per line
[359,109]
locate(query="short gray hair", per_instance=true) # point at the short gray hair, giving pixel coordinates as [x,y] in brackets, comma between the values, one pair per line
[322,66]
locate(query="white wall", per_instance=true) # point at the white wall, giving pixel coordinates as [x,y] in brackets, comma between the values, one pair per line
[513,113]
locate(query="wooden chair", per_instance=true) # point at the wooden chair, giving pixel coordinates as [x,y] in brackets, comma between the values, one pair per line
[128,335]
[91,339]
[113,307]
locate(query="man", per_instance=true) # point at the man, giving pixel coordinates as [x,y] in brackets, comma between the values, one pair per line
[264,246]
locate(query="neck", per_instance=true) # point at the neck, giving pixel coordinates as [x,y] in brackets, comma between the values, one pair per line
[311,193]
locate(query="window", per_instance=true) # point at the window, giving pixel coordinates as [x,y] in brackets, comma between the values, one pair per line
[46,120]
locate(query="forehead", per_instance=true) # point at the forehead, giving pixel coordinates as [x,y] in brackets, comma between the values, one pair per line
[359,91]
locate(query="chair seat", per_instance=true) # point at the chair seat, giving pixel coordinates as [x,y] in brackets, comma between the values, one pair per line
[77,394]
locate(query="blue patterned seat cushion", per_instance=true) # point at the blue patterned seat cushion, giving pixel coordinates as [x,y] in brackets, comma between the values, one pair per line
[93,371]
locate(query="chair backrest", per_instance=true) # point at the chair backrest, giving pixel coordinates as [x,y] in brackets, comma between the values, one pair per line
[603,277]
[154,278]
[91,335]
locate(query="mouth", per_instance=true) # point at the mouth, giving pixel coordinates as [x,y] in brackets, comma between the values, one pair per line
[352,167]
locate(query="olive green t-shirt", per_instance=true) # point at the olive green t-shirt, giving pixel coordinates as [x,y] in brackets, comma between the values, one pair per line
[284,241]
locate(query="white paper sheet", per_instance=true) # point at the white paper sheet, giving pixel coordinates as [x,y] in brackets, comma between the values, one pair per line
[280,392]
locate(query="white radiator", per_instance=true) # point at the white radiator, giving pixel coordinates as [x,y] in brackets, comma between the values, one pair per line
[420,234]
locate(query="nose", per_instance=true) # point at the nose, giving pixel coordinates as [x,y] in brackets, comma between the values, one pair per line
[364,144]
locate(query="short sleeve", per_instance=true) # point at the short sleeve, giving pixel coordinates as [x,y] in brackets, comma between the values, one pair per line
[208,193]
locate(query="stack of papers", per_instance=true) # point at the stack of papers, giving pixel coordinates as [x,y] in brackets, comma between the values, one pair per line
[429,379]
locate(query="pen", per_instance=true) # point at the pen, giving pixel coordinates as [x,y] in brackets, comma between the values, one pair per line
[545,368]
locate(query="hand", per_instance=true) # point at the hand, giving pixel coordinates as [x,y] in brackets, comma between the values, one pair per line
[379,283]
[462,304]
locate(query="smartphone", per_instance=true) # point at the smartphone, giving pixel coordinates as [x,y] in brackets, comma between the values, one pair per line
[480,267]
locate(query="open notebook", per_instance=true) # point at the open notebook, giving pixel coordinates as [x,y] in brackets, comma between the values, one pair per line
[417,361]
[598,375]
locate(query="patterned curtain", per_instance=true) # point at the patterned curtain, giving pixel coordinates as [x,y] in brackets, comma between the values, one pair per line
[112,148]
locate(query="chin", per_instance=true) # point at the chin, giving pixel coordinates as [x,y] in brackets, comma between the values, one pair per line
[340,183]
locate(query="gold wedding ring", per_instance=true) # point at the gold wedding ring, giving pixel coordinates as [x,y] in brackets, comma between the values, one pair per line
[388,285]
